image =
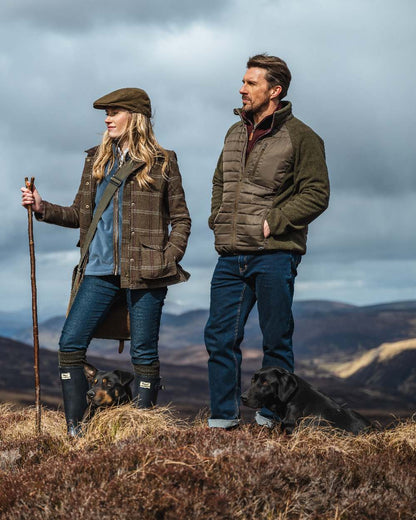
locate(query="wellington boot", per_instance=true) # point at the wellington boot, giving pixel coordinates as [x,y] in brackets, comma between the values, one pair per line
[74,390]
[145,391]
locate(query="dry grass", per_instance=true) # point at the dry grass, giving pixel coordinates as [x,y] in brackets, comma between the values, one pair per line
[128,422]
[146,464]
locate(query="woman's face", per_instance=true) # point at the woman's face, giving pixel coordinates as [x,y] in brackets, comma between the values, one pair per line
[117,121]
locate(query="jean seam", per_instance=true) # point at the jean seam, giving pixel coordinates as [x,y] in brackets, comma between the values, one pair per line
[236,364]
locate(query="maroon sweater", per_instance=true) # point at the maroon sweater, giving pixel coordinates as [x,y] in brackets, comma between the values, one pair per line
[255,132]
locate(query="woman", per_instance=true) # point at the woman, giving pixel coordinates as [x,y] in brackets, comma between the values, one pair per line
[140,238]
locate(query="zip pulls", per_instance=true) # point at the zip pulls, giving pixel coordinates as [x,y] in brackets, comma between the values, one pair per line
[116,216]
[116,234]
[254,128]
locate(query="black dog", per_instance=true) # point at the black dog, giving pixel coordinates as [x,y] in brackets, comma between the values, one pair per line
[293,399]
[106,388]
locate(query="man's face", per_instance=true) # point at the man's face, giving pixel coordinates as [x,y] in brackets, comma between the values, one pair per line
[257,96]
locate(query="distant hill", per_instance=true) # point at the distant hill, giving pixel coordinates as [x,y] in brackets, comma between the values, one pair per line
[392,367]
[11,323]
[336,331]
[186,384]
[322,328]
[385,353]
[363,356]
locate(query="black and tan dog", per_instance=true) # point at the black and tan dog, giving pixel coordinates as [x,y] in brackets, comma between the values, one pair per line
[107,388]
[293,400]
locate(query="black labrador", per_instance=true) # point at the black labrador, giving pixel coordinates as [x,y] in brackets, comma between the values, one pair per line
[293,399]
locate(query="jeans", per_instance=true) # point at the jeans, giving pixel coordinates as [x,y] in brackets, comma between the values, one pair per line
[93,301]
[237,283]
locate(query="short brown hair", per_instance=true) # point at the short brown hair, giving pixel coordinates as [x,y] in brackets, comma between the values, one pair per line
[277,72]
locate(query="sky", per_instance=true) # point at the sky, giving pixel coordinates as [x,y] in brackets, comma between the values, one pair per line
[353,82]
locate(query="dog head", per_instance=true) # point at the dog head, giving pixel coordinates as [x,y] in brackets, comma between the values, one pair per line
[107,388]
[271,387]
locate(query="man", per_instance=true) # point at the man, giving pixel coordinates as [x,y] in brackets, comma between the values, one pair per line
[271,181]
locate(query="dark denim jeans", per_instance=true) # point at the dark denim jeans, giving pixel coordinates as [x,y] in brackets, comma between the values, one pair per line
[237,283]
[93,301]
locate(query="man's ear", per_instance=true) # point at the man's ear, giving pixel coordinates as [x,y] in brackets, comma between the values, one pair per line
[287,385]
[89,371]
[275,91]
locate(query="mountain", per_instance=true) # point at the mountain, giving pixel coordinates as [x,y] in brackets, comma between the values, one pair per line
[361,355]
[391,366]
[322,329]
[337,331]
[13,322]
[186,384]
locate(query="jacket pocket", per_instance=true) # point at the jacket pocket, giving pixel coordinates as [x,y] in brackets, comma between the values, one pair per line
[156,263]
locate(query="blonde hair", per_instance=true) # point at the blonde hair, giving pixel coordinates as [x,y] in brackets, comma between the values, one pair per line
[142,146]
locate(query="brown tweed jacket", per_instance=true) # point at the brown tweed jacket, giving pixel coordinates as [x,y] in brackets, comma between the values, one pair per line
[155,228]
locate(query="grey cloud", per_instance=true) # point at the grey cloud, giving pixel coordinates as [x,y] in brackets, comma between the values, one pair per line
[351,83]
[361,227]
[361,282]
[82,15]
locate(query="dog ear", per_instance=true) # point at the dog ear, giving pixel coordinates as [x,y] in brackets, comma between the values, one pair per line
[287,386]
[125,377]
[89,371]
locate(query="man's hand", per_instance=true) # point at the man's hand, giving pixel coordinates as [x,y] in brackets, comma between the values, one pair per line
[266,229]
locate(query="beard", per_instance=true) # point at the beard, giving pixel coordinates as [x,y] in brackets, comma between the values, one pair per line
[253,109]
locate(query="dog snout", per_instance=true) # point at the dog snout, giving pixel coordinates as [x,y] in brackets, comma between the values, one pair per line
[90,395]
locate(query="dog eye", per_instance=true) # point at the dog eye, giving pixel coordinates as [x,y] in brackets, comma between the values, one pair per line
[95,381]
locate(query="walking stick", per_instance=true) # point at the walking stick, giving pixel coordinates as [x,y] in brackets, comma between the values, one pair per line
[30,186]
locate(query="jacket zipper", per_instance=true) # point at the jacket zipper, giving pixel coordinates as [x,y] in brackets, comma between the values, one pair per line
[116,219]
[115,231]
[237,195]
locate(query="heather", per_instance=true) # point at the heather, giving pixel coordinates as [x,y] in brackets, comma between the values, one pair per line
[152,465]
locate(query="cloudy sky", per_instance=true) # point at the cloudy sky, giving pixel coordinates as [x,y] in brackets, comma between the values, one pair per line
[353,81]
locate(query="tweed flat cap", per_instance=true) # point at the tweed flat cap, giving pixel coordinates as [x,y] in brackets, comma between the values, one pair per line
[132,99]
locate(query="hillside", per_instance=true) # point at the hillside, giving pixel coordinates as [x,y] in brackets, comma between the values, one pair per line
[186,384]
[392,366]
[337,332]
[384,354]
[149,465]
[322,329]
[337,348]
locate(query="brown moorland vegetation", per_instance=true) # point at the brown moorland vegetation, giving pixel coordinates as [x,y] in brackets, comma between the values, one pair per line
[149,465]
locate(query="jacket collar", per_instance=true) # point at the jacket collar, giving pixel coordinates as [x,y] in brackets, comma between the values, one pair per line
[279,117]
[133,165]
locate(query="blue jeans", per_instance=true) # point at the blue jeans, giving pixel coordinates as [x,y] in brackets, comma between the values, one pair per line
[93,301]
[237,283]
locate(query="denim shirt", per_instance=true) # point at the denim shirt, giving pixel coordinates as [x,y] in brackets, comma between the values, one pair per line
[101,261]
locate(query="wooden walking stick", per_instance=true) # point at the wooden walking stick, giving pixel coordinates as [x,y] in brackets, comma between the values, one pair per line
[30,186]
